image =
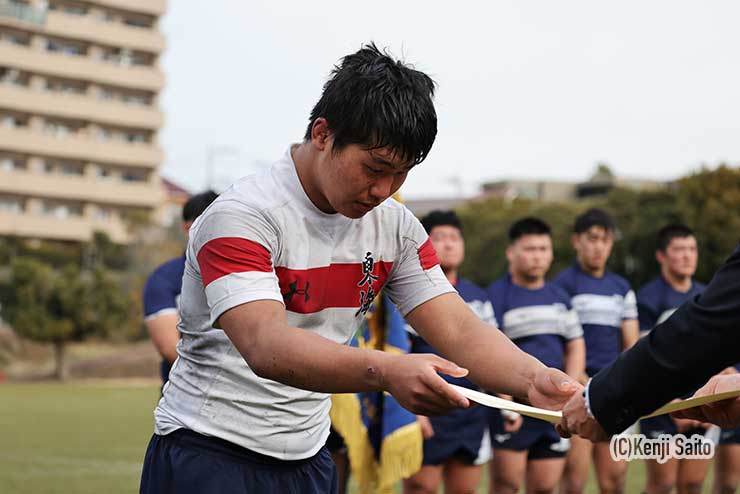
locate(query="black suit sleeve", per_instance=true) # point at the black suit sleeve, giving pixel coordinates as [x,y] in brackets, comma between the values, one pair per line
[700,339]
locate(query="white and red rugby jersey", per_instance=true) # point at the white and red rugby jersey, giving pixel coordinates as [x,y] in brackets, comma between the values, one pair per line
[264,239]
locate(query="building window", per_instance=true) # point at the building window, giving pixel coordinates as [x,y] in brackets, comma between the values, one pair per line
[68,8]
[13,77]
[133,176]
[102,214]
[61,210]
[65,86]
[65,47]
[103,173]
[102,134]
[69,168]
[57,129]
[12,164]
[12,205]
[136,99]
[15,37]
[11,121]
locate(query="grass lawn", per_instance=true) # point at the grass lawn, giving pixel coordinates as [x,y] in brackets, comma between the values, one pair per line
[74,438]
[90,437]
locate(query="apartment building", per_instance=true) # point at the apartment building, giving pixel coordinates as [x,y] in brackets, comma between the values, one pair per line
[79,116]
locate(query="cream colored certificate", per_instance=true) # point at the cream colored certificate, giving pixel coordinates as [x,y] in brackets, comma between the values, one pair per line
[554,417]
[496,402]
[694,402]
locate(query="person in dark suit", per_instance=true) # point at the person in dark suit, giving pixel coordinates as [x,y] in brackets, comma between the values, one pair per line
[698,341]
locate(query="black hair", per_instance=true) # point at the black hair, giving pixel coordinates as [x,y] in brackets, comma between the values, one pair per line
[528,226]
[593,217]
[197,204]
[375,101]
[441,218]
[671,231]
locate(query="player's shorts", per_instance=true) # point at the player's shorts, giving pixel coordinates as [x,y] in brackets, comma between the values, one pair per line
[460,435]
[535,436]
[185,462]
[335,442]
[662,424]
[729,436]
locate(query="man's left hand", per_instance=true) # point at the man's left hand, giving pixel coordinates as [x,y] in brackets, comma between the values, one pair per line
[577,420]
[725,413]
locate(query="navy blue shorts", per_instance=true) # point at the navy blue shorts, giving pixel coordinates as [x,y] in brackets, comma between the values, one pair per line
[185,462]
[662,424]
[537,437]
[729,436]
[457,436]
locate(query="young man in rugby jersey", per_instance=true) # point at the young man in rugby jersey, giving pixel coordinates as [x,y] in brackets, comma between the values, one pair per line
[538,317]
[678,254]
[279,272]
[162,292]
[455,445]
[607,310]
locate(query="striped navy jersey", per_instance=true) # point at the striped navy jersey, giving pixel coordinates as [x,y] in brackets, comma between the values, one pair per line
[657,300]
[602,304]
[540,321]
[162,296]
[477,300]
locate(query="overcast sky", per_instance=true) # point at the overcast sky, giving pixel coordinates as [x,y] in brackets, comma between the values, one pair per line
[533,89]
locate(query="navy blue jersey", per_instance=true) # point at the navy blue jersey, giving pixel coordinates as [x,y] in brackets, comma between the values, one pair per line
[657,300]
[602,304]
[477,300]
[540,321]
[162,295]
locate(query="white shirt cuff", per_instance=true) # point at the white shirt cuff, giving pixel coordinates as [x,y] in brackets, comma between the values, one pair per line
[588,402]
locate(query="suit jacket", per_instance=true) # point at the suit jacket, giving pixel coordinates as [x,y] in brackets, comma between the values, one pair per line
[700,339]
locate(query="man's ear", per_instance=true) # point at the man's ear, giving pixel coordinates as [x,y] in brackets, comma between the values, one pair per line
[320,134]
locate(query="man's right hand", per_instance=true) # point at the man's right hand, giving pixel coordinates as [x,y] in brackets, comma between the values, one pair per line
[414,381]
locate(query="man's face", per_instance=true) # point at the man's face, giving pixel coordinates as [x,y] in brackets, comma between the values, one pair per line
[680,257]
[530,256]
[449,244]
[593,247]
[355,180]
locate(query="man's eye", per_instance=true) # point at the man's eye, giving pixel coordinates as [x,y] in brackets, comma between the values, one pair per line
[373,170]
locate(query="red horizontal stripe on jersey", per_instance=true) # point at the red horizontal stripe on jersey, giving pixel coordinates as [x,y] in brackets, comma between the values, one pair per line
[226,255]
[306,291]
[427,255]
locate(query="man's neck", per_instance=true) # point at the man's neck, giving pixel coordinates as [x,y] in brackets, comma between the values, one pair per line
[681,284]
[595,272]
[526,282]
[305,167]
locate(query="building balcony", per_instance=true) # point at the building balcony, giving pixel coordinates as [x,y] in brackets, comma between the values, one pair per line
[79,107]
[151,7]
[82,188]
[75,229]
[79,148]
[104,33]
[80,67]
[25,14]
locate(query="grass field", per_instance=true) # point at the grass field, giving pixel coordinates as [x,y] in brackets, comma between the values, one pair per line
[90,437]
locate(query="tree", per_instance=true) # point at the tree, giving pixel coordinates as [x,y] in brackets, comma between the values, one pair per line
[59,306]
[486,224]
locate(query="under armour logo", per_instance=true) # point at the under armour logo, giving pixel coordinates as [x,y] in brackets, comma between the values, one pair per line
[294,290]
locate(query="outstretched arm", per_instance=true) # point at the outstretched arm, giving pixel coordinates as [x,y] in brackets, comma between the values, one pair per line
[494,362]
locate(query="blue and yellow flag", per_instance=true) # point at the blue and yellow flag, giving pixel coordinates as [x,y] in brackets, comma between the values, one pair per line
[383,439]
